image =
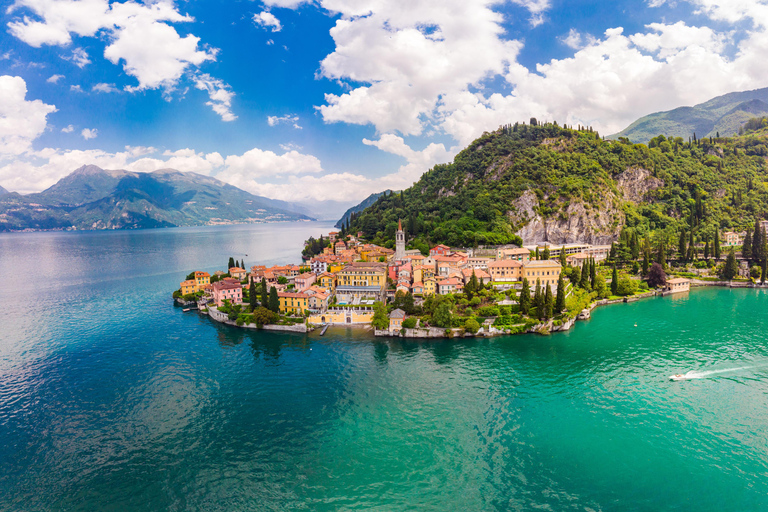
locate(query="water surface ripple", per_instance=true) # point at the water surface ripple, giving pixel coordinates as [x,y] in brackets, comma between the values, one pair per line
[111,398]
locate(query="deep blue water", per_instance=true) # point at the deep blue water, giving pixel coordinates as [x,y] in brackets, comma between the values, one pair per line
[111,398]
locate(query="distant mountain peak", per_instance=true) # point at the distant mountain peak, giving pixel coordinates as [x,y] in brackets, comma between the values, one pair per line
[724,115]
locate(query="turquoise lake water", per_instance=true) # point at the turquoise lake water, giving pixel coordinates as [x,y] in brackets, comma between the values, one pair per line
[111,398]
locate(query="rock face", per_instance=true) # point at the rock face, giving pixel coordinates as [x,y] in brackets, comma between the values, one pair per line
[580,223]
[636,182]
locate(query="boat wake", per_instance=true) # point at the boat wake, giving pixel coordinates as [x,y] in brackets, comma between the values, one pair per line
[693,374]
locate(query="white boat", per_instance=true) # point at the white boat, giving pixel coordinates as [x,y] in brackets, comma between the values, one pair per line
[678,376]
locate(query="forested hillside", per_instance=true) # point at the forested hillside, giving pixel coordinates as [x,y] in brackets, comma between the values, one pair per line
[547,182]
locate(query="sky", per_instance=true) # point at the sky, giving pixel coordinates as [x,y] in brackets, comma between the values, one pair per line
[332,100]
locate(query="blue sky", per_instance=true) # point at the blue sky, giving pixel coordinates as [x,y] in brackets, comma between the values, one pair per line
[335,99]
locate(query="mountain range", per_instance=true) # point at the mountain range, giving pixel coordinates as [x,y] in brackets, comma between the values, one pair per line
[722,115]
[365,203]
[95,198]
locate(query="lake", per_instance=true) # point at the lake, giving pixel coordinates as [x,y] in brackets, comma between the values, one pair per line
[112,398]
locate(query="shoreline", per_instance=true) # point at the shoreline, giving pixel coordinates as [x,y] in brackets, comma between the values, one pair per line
[541,328]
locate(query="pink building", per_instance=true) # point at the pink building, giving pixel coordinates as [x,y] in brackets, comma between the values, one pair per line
[305,280]
[227,290]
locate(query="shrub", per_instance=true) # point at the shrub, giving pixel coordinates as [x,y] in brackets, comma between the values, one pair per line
[488,311]
[409,323]
[626,286]
[177,294]
[472,325]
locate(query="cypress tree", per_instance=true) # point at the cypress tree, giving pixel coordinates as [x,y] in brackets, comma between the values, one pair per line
[252,295]
[706,249]
[593,272]
[681,249]
[548,302]
[731,268]
[763,270]
[614,281]
[560,300]
[538,299]
[584,283]
[757,242]
[563,263]
[274,302]
[231,263]
[525,298]
[661,255]
[545,256]
[646,257]
[746,247]
[264,293]
[716,252]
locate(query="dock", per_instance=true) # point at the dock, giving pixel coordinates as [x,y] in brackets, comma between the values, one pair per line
[325,328]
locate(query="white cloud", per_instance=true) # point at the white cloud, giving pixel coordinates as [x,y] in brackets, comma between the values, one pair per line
[220,95]
[290,146]
[106,88]
[140,38]
[292,119]
[68,129]
[576,40]
[76,88]
[89,133]
[79,57]
[21,120]
[536,8]
[267,20]
[54,79]
[409,55]
[137,151]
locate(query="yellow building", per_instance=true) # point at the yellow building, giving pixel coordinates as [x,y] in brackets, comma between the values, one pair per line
[327,281]
[335,267]
[201,279]
[546,271]
[188,287]
[356,315]
[430,286]
[293,302]
[361,280]
[505,270]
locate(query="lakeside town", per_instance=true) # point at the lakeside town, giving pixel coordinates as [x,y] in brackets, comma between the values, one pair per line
[463,291]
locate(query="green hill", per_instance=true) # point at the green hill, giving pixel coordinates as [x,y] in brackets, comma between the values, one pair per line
[365,203]
[94,198]
[724,115]
[548,183]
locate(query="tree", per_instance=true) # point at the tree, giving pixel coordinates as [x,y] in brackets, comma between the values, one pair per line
[646,257]
[442,316]
[592,272]
[757,242]
[545,256]
[614,281]
[380,319]
[575,276]
[472,325]
[706,249]
[731,268]
[472,286]
[563,261]
[231,263]
[763,270]
[525,297]
[538,299]
[716,252]
[600,288]
[560,300]
[548,302]
[656,277]
[584,281]
[190,276]
[262,316]
[264,293]
[626,286]
[274,301]
[252,295]
[661,255]
[746,247]
[681,250]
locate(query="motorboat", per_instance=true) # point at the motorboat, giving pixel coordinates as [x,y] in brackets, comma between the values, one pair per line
[678,376]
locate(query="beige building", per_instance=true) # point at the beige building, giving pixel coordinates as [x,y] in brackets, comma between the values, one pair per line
[505,270]
[518,253]
[677,285]
[731,238]
[546,271]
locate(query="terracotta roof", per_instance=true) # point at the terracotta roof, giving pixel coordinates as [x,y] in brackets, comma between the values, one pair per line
[542,263]
[226,285]
[202,274]
[467,272]
[189,282]
[450,281]
[678,280]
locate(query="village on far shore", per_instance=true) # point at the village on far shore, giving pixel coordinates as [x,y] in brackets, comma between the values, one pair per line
[483,291]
